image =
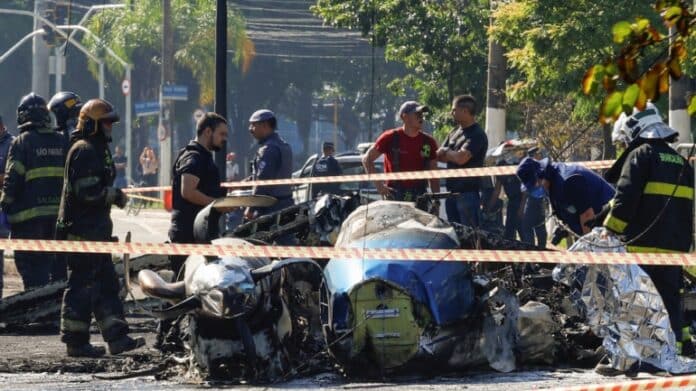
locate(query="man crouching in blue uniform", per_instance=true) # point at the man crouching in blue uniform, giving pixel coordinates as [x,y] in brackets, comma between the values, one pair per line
[273,160]
[576,194]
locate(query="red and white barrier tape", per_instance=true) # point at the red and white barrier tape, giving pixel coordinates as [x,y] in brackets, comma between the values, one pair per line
[399,176]
[507,256]
[669,383]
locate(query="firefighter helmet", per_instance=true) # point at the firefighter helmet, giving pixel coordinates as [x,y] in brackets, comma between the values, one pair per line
[65,105]
[92,113]
[33,111]
[645,124]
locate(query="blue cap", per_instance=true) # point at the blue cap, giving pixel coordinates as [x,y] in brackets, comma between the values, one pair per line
[412,106]
[261,115]
[529,171]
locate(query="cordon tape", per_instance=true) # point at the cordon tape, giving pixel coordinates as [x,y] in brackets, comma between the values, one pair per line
[497,256]
[670,383]
[400,176]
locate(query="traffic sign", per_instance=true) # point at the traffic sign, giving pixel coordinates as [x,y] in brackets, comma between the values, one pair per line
[125,86]
[198,114]
[147,108]
[174,92]
[162,132]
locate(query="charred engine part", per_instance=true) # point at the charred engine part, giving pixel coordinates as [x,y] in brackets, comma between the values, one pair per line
[240,315]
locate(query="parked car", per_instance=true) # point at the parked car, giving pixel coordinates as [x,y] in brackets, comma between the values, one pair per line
[351,164]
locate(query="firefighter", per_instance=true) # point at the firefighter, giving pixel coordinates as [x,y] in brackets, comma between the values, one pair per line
[66,106]
[88,194]
[31,191]
[653,206]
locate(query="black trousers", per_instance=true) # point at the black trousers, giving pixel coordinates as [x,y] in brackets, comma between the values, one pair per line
[668,281]
[37,268]
[92,289]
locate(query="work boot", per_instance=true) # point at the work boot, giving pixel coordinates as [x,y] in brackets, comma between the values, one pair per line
[125,344]
[86,350]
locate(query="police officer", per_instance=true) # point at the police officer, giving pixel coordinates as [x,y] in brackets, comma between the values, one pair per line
[273,161]
[31,190]
[576,194]
[85,214]
[66,106]
[653,206]
[5,141]
[533,224]
[326,165]
[511,185]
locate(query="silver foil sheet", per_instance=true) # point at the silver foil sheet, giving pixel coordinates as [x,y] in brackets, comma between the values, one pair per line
[622,306]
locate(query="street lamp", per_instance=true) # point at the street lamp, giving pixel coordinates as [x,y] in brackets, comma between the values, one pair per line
[128,67]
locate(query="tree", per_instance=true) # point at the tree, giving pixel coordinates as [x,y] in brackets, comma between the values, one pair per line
[443,43]
[646,60]
[550,44]
[135,33]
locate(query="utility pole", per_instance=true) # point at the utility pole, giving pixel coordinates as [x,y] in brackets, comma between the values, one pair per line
[679,118]
[40,55]
[165,129]
[221,77]
[495,98]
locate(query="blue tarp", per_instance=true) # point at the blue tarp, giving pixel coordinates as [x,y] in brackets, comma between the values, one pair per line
[445,287]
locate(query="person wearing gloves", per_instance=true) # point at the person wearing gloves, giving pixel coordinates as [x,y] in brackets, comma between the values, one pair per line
[652,210]
[576,194]
[85,214]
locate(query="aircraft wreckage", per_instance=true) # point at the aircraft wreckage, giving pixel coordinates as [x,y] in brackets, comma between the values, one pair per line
[264,319]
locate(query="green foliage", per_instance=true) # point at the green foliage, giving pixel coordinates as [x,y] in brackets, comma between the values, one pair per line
[551,43]
[442,42]
[645,61]
[135,33]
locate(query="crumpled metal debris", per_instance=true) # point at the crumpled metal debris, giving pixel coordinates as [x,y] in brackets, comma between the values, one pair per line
[622,306]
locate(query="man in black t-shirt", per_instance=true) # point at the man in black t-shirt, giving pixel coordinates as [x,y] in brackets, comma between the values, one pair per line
[195,184]
[464,147]
[196,180]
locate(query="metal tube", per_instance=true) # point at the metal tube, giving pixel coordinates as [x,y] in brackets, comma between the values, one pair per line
[221,77]
[19,43]
[129,129]
[101,80]
[59,70]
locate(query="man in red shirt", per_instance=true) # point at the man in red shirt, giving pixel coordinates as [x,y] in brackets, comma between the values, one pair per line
[405,149]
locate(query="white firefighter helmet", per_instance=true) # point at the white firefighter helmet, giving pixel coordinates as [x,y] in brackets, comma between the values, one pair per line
[645,124]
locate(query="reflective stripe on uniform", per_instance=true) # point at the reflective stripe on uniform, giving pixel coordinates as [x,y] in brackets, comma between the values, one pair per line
[615,224]
[75,326]
[32,213]
[667,189]
[44,172]
[641,249]
[86,182]
[16,166]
